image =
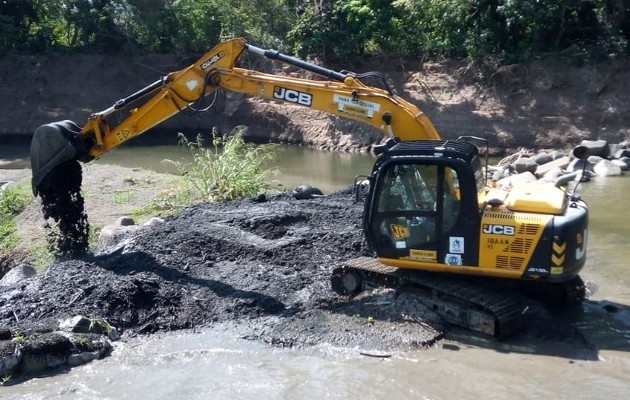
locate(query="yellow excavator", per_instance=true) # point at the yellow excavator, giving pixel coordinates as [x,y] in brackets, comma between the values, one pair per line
[430,216]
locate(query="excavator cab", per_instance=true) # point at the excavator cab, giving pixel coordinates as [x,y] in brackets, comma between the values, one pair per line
[429,209]
[422,204]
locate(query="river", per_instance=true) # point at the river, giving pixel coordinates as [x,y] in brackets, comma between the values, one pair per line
[214,364]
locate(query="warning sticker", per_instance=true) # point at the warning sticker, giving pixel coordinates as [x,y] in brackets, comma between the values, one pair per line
[423,255]
[456,244]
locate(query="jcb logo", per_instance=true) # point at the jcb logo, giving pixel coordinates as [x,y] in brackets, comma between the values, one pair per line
[399,231]
[292,96]
[498,229]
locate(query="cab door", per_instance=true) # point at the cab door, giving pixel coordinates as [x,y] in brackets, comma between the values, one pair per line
[417,214]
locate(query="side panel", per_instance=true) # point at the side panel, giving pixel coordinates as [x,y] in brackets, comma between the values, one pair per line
[508,240]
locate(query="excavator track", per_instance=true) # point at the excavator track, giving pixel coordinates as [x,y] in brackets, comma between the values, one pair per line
[470,306]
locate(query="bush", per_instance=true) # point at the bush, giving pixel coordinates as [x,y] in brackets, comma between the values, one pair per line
[228,170]
[13,200]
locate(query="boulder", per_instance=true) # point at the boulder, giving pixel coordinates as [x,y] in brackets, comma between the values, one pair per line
[577,165]
[542,158]
[116,233]
[597,147]
[621,153]
[622,164]
[607,168]
[16,275]
[305,192]
[525,164]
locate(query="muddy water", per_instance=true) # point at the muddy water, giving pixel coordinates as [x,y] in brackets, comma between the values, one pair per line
[217,364]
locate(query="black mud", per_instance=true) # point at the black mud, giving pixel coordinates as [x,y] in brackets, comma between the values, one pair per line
[261,264]
[62,202]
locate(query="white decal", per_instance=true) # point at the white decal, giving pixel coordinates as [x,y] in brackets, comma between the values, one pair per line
[453,259]
[368,106]
[192,84]
[207,64]
[456,244]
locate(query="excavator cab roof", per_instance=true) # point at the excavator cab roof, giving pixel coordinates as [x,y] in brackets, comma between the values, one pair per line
[433,148]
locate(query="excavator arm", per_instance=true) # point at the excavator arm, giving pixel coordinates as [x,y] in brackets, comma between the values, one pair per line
[343,94]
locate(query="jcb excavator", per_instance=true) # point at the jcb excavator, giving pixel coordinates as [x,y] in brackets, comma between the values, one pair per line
[429,214]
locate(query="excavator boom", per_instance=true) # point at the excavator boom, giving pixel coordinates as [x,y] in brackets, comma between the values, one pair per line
[343,94]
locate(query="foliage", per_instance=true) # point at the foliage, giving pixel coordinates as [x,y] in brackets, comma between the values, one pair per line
[228,170]
[512,29]
[100,324]
[13,200]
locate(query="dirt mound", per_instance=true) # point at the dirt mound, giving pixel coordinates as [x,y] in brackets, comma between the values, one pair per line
[262,263]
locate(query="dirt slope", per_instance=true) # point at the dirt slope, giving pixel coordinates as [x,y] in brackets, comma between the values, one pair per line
[548,103]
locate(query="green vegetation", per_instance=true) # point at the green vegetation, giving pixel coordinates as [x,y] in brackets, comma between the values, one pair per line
[100,324]
[228,170]
[13,200]
[509,30]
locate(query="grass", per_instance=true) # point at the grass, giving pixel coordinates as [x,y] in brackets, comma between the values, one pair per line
[13,200]
[125,197]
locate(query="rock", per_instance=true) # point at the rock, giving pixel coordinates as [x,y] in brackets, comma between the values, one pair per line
[542,158]
[36,352]
[566,178]
[558,163]
[16,275]
[607,168]
[578,165]
[125,221]
[154,221]
[47,350]
[516,179]
[525,164]
[305,192]
[111,235]
[597,147]
[5,333]
[594,159]
[623,164]
[10,357]
[500,172]
[621,153]
[80,324]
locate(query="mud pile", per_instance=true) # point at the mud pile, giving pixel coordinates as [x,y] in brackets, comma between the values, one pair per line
[262,264]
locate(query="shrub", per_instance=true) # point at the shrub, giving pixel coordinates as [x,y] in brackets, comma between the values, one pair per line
[227,170]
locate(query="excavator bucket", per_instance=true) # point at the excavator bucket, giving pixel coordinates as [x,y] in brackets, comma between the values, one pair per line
[52,145]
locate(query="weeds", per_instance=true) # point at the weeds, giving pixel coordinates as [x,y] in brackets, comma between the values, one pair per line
[13,200]
[228,170]
[99,323]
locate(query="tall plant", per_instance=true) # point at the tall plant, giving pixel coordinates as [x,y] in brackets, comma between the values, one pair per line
[227,170]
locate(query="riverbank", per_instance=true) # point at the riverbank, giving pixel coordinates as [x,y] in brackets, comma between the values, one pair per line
[548,103]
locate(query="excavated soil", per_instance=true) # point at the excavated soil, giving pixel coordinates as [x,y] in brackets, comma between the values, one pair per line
[262,263]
